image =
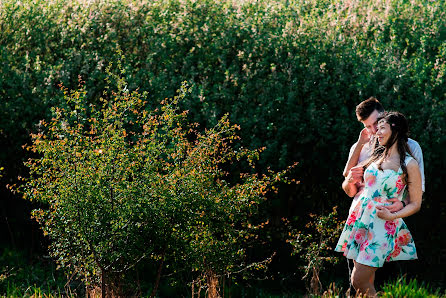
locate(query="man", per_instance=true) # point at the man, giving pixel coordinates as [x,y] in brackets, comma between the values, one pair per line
[367,113]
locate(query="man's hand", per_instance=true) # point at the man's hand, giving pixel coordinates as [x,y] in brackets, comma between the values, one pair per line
[364,137]
[396,205]
[384,213]
[355,174]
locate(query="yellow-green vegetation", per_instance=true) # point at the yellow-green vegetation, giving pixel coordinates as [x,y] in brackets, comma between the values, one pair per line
[401,287]
[410,288]
[288,72]
[22,275]
[120,185]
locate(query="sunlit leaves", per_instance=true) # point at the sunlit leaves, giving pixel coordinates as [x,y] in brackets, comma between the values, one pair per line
[121,184]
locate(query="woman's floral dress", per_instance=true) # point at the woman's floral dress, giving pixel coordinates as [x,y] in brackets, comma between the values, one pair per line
[368,239]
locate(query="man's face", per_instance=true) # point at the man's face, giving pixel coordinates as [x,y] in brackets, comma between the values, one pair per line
[371,123]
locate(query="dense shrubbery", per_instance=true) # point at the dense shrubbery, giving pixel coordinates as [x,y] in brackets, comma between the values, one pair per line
[288,72]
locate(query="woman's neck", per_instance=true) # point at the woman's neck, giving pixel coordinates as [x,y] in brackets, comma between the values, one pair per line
[392,153]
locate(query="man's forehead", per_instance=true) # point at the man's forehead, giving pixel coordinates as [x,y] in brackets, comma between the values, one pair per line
[372,119]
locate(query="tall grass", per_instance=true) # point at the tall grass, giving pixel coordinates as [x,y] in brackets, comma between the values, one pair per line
[400,287]
[22,275]
[409,288]
[14,290]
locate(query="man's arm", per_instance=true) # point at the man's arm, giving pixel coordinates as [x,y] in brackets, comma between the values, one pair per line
[418,155]
[354,176]
[350,188]
[396,204]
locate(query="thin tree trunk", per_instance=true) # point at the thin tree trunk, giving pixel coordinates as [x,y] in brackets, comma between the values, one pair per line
[229,287]
[223,291]
[103,285]
[212,281]
[158,275]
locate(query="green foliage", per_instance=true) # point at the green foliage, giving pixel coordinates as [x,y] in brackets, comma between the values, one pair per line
[120,184]
[409,288]
[396,288]
[24,276]
[288,72]
[314,246]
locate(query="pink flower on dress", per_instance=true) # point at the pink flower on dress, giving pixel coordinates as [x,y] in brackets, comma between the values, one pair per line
[344,246]
[399,184]
[396,251]
[370,235]
[369,205]
[403,238]
[360,236]
[370,180]
[379,199]
[367,257]
[390,227]
[352,218]
[364,245]
[352,234]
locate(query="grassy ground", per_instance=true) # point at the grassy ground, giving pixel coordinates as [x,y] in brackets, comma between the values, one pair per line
[24,276]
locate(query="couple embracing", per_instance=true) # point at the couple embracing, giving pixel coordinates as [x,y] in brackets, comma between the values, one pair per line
[385,176]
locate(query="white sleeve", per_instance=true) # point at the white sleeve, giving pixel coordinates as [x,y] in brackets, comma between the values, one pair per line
[418,155]
[352,148]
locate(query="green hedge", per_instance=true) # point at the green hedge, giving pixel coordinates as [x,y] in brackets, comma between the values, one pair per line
[290,73]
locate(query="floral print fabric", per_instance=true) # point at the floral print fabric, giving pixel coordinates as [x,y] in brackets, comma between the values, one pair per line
[369,239]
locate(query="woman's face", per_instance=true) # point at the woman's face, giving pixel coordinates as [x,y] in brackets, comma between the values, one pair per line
[383,132]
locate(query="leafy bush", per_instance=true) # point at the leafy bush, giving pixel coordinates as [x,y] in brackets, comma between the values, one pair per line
[288,72]
[314,246]
[120,185]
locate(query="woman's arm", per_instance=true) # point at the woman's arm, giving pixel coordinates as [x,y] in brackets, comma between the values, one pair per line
[416,194]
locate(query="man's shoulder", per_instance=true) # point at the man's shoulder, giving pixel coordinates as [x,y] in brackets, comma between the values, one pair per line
[364,148]
[353,146]
[413,144]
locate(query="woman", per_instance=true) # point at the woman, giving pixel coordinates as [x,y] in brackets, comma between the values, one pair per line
[372,234]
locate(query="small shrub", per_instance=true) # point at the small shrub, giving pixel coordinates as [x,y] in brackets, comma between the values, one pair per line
[119,185]
[315,245]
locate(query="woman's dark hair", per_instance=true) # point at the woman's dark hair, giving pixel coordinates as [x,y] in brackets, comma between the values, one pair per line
[400,131]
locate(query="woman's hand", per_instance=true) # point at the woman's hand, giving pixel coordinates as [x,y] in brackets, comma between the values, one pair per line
[384,213]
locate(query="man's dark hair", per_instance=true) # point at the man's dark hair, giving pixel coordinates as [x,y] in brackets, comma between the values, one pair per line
[365,108]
